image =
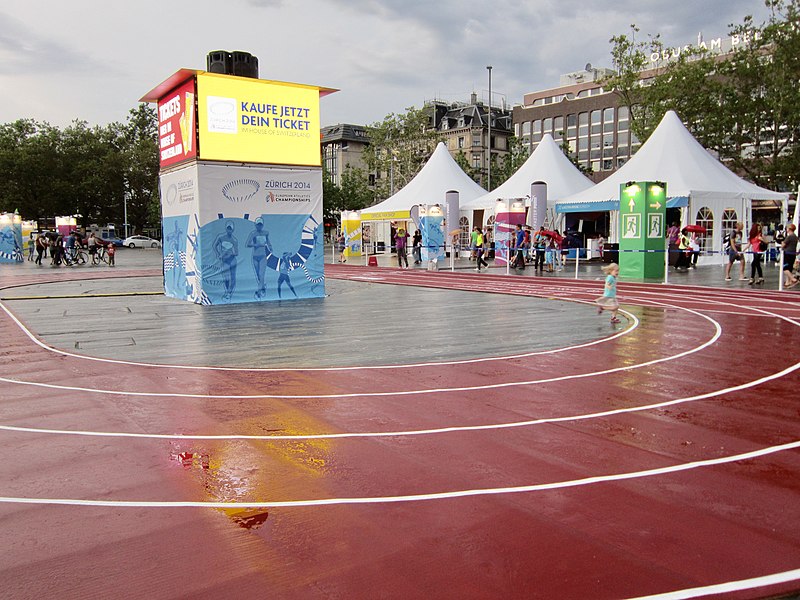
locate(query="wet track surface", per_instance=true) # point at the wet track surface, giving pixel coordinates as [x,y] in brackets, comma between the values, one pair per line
[592,462]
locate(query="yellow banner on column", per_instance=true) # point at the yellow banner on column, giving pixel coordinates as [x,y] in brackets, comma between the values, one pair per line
[351,227]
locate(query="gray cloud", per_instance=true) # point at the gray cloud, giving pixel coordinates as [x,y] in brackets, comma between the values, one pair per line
[23,51]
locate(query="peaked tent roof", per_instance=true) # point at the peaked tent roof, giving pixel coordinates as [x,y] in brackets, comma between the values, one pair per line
[673,156]
[439,175]
[547,163]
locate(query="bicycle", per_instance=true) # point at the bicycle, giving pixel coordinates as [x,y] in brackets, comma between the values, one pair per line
[76,256]
[99,256]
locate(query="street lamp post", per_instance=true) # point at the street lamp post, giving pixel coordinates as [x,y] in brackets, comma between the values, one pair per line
[489,140]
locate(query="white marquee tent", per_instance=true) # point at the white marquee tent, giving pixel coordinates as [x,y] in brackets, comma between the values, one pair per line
[694,179]
[439,175]
[548,164]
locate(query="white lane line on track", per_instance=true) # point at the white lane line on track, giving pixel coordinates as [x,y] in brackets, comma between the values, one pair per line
[539,487]
[489,386]
[452,429]
[723,588]
[31,336]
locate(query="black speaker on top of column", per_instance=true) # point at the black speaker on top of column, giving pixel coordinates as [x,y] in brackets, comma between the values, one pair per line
[244,64]
[219,61]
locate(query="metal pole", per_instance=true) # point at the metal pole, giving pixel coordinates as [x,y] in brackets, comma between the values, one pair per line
[125,202]
[780,275]
[577,261]
[489,141]
[666,264]
[508,241]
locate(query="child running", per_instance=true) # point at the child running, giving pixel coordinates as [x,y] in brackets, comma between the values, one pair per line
[608,301]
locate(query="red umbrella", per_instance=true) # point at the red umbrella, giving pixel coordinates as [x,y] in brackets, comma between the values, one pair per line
[553,234]
[695,229]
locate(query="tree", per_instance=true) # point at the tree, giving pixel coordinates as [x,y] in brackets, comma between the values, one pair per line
[745,105]
[463,162]
[355,190]
[573,158]
[140,138]
[399,147]
[512,161]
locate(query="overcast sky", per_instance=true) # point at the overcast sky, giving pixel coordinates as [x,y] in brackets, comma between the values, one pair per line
[93,59]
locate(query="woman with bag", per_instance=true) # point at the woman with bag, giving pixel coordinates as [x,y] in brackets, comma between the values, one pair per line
[757,246]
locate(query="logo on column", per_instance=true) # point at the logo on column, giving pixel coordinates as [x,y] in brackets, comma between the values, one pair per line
[222,115]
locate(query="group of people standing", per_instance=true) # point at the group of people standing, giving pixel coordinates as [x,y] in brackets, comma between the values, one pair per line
[545,249]
[64,249]
[756,246]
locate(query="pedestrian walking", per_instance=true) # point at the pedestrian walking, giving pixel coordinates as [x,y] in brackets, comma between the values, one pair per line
[608,301]
[733,246]
[519,258]
[401,243]
[417,250]
[340,246]
[756,245]
[41,247]
[539,244]
[479,246]
[789,247]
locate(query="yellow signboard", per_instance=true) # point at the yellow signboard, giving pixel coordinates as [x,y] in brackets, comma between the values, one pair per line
[251,120]
[393,215]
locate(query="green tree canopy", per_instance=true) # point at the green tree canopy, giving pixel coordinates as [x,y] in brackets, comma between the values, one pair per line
[399,147]
[46,171]
[744,105]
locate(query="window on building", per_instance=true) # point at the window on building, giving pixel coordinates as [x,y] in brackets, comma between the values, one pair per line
[461,141]
[547,125]
[537,131]
[729,220]
[516,129]
[572,126]
[608,164]
[526,128]
[583,124]
[623,116]
[463,237]
[476,161]
[608,120]
[597,126]
[705,217]
[476,140]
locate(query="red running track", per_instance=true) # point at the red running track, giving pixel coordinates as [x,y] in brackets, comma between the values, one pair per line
[653,462]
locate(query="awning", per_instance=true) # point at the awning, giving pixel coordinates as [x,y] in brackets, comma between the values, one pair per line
[573,207]
[576,207]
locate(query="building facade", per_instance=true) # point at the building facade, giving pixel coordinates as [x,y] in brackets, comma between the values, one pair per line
[464,128]
[583,115]
[342,146]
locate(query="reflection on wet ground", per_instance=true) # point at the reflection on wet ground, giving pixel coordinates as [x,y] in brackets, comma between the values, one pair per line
[251,471]
[357,324]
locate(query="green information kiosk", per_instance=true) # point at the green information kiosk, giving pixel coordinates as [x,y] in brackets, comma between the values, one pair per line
[642,226]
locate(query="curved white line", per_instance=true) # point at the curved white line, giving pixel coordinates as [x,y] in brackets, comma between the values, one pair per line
[489,386]
[539,487]
[730,586]
[466,361]
[401,433]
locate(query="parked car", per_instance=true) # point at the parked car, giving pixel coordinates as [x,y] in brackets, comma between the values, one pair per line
[115,241]
[141,241]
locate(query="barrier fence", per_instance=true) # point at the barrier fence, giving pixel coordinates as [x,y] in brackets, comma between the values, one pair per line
[776,257]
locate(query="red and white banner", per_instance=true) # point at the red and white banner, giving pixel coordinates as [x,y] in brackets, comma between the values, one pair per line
[177,133]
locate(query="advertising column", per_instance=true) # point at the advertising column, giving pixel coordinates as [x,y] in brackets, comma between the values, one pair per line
[642,215]
[431,221]
[508,214]
[351,229]
[11,249]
